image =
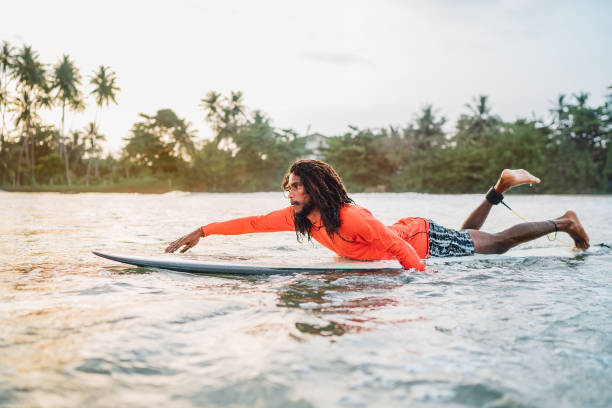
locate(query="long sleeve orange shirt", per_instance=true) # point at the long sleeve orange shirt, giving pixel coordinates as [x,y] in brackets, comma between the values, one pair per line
[362,236]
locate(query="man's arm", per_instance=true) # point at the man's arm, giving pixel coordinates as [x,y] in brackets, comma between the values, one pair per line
[280,220]
[276,221]
[403,252]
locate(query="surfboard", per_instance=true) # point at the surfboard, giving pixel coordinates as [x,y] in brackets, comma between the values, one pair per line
[181,263]
[189,263]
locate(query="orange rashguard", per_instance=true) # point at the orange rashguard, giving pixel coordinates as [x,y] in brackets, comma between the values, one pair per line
[362,236]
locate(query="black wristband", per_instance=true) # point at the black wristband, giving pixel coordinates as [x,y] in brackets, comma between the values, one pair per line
[494,197]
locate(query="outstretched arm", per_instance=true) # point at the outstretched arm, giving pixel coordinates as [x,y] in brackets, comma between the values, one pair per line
[280,220]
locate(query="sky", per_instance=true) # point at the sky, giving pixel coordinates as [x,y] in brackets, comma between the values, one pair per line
[320,66]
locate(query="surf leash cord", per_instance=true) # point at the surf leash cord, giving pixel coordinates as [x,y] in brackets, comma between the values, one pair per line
[495,198]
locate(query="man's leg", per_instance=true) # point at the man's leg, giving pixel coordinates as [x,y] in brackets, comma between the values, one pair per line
[507,180]
[485,243]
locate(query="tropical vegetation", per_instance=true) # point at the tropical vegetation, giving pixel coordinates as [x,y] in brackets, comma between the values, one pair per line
[569,147]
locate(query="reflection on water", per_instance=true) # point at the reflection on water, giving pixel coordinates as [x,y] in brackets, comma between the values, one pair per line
[331,329]
[77,330]
[318,294]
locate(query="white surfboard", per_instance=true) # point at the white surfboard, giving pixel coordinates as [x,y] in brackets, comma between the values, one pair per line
[187,263]
[181,263]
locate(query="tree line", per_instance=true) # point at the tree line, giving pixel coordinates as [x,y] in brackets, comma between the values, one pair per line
[32,152]
[570,149]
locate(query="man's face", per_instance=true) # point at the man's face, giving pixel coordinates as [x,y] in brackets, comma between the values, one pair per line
[299,199]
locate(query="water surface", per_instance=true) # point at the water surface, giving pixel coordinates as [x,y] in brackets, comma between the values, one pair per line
[77,330]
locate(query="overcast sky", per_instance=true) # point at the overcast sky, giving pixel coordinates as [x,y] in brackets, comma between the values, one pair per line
[322,65]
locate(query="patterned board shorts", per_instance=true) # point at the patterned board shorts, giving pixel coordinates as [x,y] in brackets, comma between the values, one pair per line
[448,242]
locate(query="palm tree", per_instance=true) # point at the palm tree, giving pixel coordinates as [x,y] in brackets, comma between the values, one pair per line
[428,129]
[32,84]
[105,82]
[75,148]
[559,112]
[472,127]
[581,98]
[66,79]
[105,87]
[234,114]
[6,62]
[225,115]
[92,147]
[481,113]
[183,139]
[236,106]
[211,104]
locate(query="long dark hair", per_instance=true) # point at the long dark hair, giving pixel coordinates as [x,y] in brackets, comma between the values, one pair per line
[327,192]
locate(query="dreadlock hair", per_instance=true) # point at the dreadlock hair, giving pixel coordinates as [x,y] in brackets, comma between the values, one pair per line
[327,192]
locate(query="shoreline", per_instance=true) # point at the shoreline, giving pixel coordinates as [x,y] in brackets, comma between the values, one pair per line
[84,189]
[158,189]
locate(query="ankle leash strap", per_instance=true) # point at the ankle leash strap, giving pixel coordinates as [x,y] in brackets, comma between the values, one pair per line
[494,197]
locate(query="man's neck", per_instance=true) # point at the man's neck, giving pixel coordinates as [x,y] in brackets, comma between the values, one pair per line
[314,216]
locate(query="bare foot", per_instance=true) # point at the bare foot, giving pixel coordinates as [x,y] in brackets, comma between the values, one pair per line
[569,223]
[512,178]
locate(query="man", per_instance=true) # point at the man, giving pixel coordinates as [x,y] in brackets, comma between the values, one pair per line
[321,209]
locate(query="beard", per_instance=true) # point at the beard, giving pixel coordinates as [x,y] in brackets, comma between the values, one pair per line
[306,210]
[301,222]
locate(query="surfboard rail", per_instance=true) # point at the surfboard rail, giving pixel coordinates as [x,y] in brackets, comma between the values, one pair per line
[180,264]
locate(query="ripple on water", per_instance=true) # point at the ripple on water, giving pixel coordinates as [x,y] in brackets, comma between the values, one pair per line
[192,318]
[478,395]
[95,290]
[107,367]
[250,392]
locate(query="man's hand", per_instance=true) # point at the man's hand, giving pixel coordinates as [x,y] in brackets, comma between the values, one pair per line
[189,241]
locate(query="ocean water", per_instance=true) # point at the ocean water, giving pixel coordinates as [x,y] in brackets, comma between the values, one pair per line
[77,330]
